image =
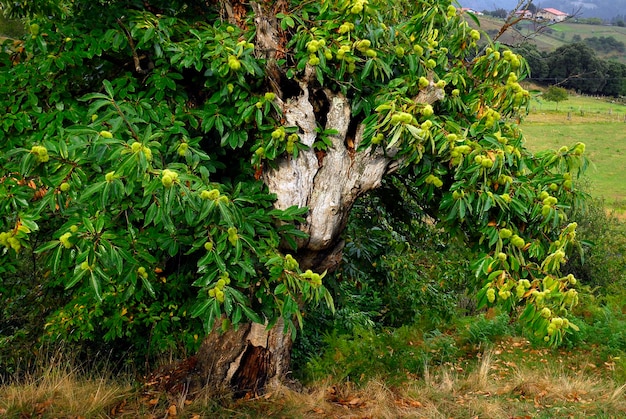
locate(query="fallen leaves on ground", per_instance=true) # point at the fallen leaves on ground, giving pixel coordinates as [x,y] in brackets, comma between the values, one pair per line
[349,402]
[408,403]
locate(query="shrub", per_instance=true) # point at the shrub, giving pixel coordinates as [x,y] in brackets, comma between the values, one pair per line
[481,330]
[602,263]
[416,269]
[24,306]
[390,355]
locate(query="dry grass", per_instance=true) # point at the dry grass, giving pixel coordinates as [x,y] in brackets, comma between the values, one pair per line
[510,380]
[488,390]
[484,390]
[61,390]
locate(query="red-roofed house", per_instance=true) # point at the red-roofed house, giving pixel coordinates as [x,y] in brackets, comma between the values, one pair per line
[552,15]
[468,10]
[524,14]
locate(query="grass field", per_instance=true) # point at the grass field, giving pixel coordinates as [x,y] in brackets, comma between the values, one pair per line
[600,124]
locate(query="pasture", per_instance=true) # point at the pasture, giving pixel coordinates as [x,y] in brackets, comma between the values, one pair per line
[599,123]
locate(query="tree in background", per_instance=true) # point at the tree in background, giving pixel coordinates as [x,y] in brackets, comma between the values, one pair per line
[576,67]
[537,61]
[615,79]
[500,13]
[605,44]
[555,94]
[181,172]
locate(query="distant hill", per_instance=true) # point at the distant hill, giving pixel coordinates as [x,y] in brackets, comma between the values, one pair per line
[556,35]
[605,9]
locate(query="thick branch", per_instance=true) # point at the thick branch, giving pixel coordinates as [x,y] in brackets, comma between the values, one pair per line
[268,44]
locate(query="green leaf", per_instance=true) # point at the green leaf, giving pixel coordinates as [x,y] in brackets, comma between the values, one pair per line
[367,69]
[146,283]
[236,316]
[93,189]
[494,275]
[225,213]
[108,88]
[95,285]
[280,289]
[238,296]
[151,214]
[219,262]
[78,274]
[206,259]
[92,96]
[528,313]
[56,259]
[250,314]
[228,302]
[397,132]
[45,247]
[97,105]
[199,308]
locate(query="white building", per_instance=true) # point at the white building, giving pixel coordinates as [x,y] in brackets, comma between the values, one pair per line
[553,15]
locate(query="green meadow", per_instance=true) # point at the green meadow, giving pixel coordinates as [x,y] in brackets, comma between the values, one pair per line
[599,123]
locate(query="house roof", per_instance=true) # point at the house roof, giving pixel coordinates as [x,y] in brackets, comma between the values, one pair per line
[554,11]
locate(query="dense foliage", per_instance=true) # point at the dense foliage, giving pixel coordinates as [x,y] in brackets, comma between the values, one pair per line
[135,137]
[604,44]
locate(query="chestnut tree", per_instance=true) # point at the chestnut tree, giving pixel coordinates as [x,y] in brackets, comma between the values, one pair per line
[183,170]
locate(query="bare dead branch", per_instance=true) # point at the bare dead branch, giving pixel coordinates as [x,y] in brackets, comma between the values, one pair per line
[539,25]
[131,43]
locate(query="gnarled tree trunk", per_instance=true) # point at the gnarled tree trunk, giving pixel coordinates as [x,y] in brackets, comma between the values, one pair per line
[327,183]
[245,360]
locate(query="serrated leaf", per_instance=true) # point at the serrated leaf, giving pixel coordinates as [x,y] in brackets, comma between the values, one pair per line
[237,314]
[228,302]
[77,277]
[50,245]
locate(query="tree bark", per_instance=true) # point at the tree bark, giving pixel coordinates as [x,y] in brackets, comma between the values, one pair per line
[244,361]
[327,183]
